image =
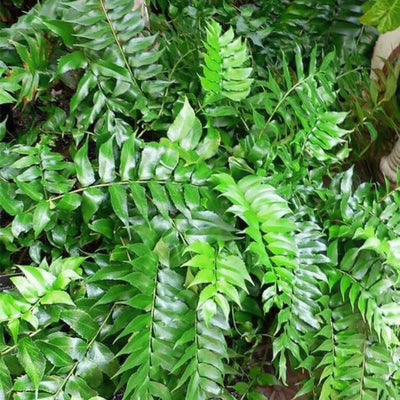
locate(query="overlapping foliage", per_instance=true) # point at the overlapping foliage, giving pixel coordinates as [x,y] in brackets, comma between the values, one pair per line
[170,201]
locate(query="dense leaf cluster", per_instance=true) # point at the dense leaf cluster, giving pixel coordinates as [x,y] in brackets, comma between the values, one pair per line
[174,196]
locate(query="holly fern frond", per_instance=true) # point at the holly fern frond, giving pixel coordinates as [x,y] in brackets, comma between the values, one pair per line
[225,74]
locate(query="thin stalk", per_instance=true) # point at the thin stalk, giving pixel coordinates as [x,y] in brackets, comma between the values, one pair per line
[282,100]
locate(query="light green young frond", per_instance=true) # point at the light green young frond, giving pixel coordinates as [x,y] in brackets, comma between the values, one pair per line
[224,68]
[203,363]
[221,275]
[353,364]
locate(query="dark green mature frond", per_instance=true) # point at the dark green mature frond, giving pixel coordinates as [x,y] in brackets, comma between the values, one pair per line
[154,332]
[307,24]
[120,60]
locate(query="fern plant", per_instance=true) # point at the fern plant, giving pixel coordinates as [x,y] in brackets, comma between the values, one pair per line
[223,70]
[125,73]
[161,220]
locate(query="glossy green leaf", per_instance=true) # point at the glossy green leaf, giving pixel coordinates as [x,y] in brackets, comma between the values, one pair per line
[54,354]
[159,198]
[21,223]
[81,322]
[91,201]
[128,159]
[106,161]
[84,170]
[32,360]
[7,201]
[139,198]
[71,61]
[41,217]
[57,297]
[119,202]
[61,28]
[69,202]
[186,129]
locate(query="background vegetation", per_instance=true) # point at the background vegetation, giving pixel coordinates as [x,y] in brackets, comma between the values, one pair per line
[190,209]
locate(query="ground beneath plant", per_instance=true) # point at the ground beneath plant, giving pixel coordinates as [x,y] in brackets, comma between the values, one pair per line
[284,392]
